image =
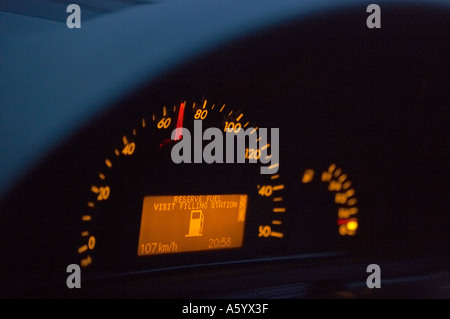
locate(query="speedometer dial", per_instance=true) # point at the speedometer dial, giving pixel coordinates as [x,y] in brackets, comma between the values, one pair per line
[153,190]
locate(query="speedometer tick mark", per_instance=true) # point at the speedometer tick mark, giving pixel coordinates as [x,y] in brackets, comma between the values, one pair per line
[332,168]
[337,172]
[276,234]
[347,185]
[278,187]
[86,261]
[82,249]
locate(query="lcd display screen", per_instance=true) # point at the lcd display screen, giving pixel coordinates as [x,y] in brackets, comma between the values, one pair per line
[173,224]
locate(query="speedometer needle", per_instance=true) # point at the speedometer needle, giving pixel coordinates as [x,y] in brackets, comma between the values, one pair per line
[178,134]
[178,131]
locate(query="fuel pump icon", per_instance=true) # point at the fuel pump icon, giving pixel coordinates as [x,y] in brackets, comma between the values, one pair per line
[196,223]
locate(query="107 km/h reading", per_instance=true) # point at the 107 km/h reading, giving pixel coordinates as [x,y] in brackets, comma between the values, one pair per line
[158,248]
[161,248]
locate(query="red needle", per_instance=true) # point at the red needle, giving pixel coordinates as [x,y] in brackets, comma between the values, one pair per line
[178,131]
[178,134]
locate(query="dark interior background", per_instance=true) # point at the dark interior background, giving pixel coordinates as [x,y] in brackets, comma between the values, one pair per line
[374,101]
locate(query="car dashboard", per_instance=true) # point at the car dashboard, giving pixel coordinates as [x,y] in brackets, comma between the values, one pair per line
[116,159]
